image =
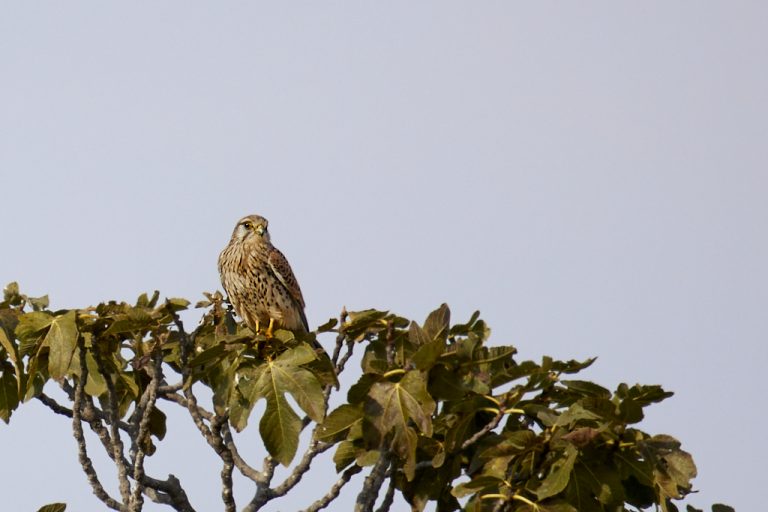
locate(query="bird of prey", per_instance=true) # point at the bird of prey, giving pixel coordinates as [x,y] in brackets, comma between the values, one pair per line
[259,281]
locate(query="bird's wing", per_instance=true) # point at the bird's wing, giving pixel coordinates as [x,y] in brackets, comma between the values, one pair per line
[282,270]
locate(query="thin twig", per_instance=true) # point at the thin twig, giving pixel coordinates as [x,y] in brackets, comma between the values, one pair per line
[264,492]
[480,433]
[117,442]
[340,337]
[315,449]
[54,405]
[228,465]
[366,499]
[143,414]
[390,344]
[333,493]
[183,402]
[245,469]
[389,497]
[77,429]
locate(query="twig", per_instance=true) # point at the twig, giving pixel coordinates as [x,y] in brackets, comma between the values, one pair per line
[183,402]
[228,465]
[480,433]
[117,442]
[213,434]
[315,449]
[77,429]
[173,492]
[366,499]
[54,405]
[333,493]
[242,466]
[340,337]
[389,497]
[264,492]
[390,344]
[142,416]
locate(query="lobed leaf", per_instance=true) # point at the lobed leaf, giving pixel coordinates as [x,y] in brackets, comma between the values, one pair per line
[61,340]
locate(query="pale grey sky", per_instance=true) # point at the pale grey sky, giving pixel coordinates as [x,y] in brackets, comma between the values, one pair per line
[591,176]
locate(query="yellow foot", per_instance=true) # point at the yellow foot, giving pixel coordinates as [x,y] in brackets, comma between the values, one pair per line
[268,332]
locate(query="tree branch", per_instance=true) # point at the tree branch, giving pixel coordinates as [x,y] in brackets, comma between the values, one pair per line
[315,449]
[117,442]
[366,499]
[228,464]
[245,469]
[77,430]
[333,493]
[487,428]
[141,419]
[389,497]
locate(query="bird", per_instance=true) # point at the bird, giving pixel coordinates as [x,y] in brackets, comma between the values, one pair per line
[259,281]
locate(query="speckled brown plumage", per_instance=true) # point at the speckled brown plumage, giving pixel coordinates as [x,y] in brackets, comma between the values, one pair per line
[258,279]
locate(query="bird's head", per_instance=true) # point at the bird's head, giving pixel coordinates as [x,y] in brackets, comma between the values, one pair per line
[252,228]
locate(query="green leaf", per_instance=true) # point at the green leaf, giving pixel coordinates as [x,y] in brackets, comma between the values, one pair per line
[13,354]
[9,392]
[587,388]
[339,422]
[344,455]
[298,355]
[477,484]
[397,403]
[280,425]
[359,322]
[174,304]
[303,387]
[446,384]
[157,423]
[11,293]
[62,340]
[574,415]
[30,325]
[53,507]
[560,474]
[428,354]
[38,303]
[215,353]
[279,428]
[437,322]
[417,335]
[328,326]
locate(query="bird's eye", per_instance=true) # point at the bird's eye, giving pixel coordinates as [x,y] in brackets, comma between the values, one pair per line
[247,225]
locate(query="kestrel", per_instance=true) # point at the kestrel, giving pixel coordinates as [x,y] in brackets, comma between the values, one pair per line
[259,281]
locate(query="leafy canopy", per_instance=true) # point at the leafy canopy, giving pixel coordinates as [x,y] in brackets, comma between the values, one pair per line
[449,418]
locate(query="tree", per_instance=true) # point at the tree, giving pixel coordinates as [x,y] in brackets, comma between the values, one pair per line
[436,415]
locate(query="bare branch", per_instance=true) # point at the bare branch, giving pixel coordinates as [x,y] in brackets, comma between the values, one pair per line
[366,499]
[389,497]
[141,418]
[390,344]
[226,470]
[77,430]
[117,442]
[487,428]
[340,337]
[333,493]
[264,492]
[172,493]
[245,469]
[315,448]
[54,405]
[183,402]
